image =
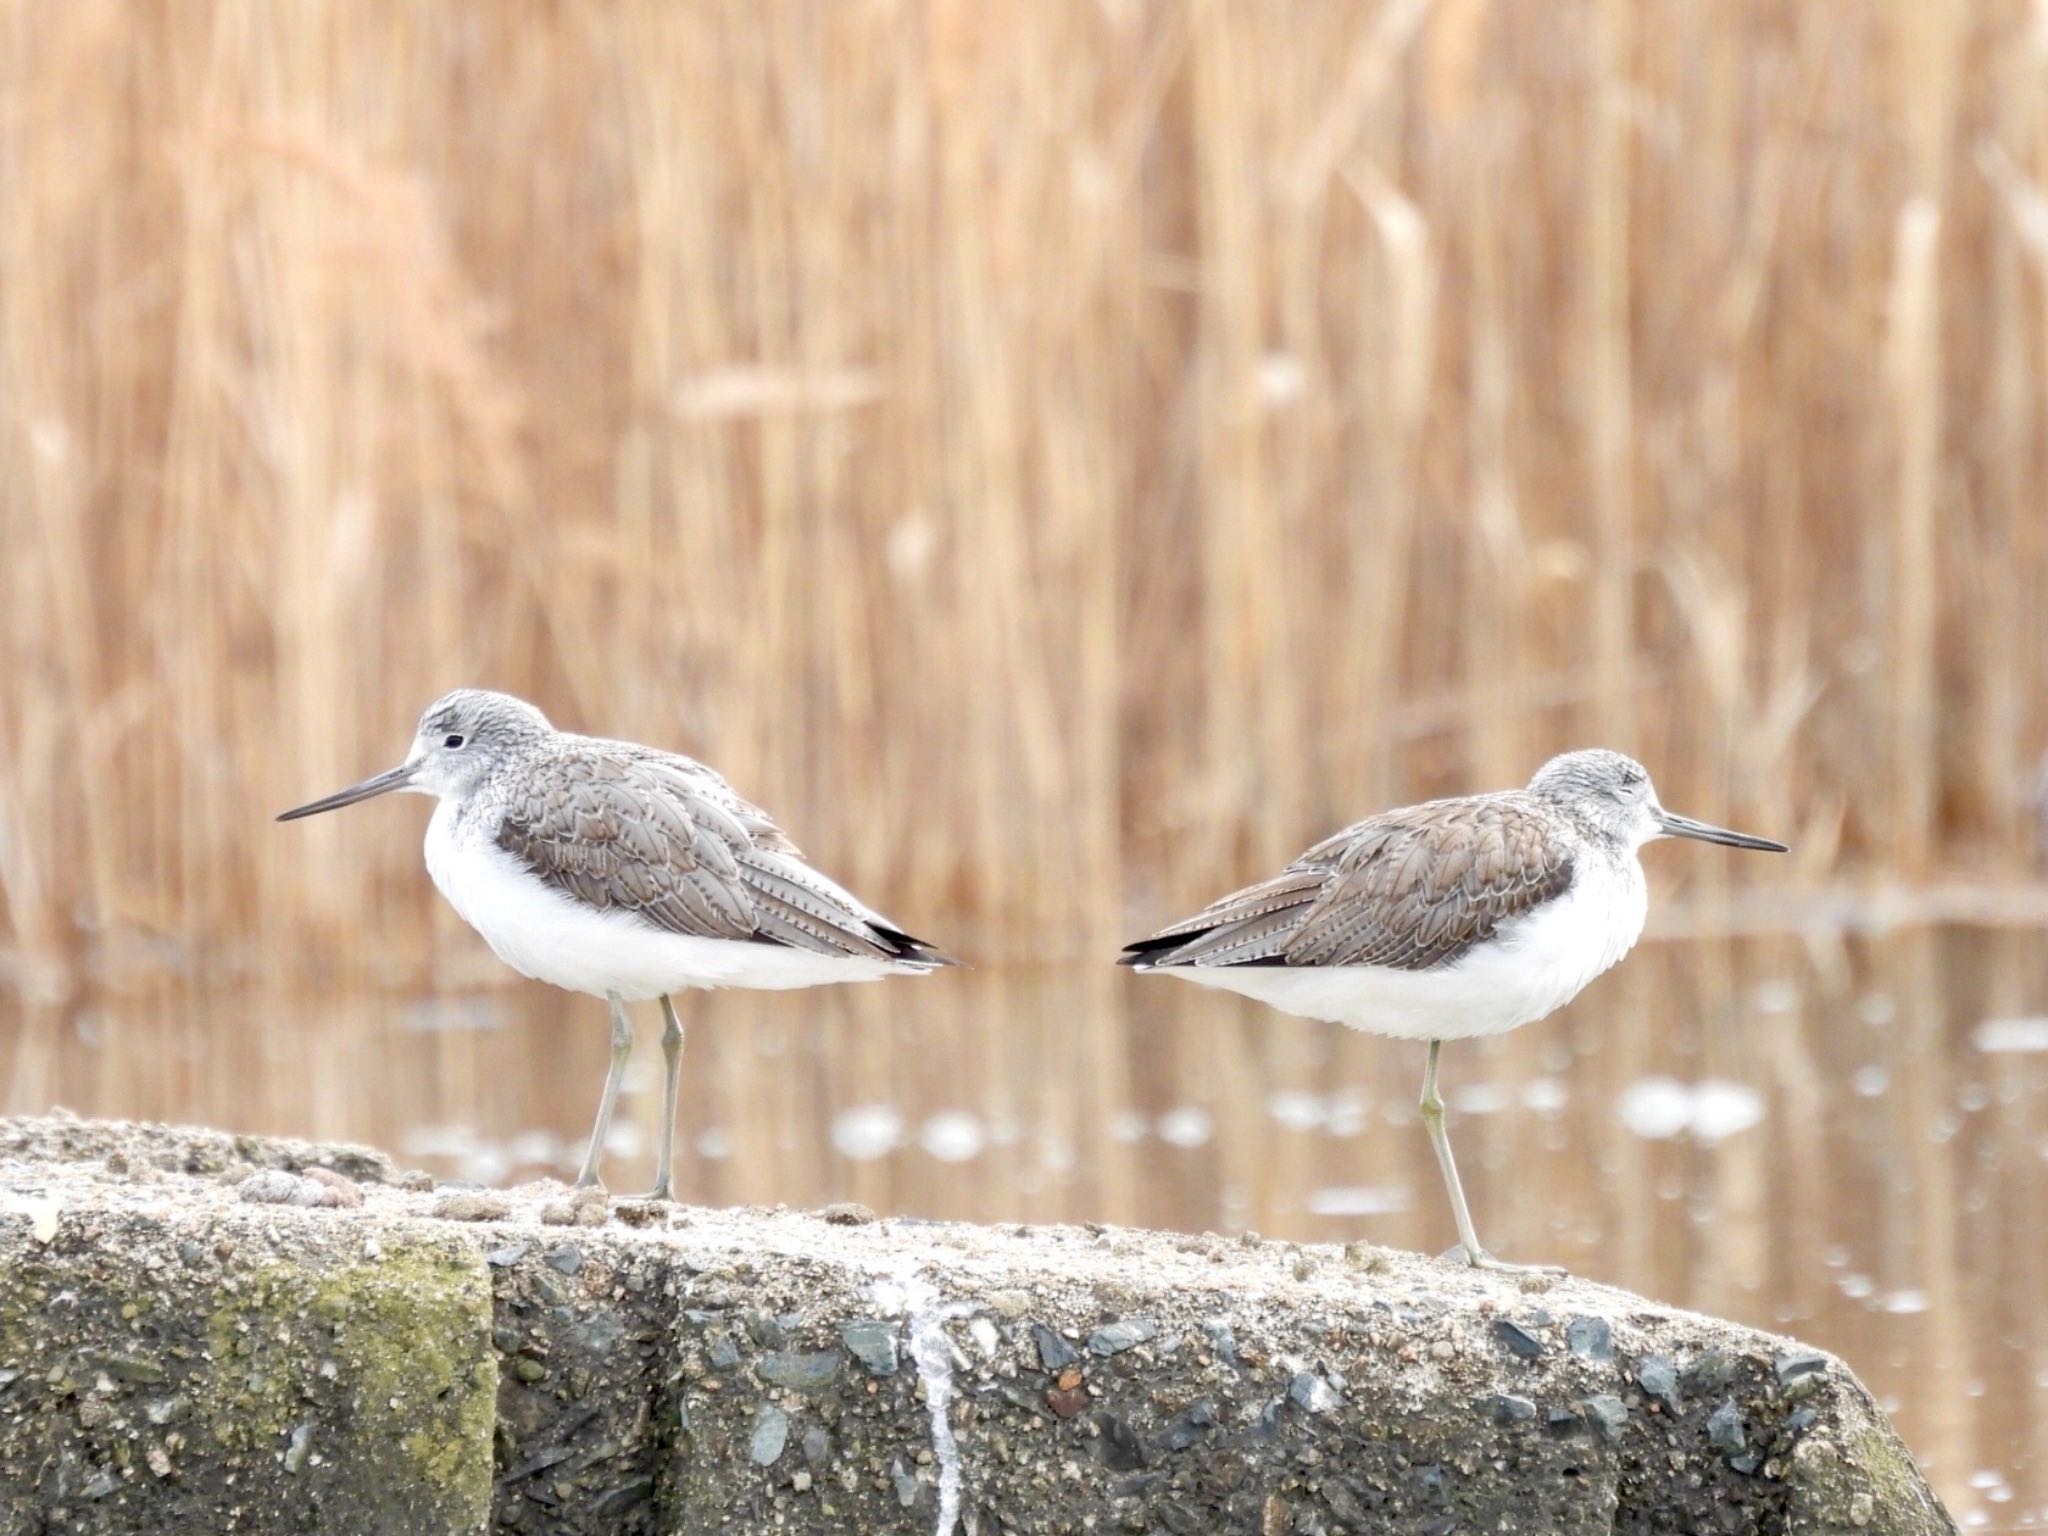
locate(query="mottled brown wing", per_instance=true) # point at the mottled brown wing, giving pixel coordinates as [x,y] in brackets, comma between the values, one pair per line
[664,840]
[708,781]
[1410,890]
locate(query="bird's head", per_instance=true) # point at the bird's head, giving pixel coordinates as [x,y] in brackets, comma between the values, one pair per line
[1612,794]
[462,736]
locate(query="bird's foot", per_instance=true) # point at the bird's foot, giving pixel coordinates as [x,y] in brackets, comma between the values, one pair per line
[1481,1259]
[661,1191]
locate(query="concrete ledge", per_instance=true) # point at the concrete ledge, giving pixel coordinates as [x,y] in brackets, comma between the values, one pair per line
[200,1332]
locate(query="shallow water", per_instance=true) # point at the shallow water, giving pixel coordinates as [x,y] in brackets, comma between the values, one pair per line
[1842,1137]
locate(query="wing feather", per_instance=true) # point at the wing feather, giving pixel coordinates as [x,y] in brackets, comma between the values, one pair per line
[1411,890]
[665,840]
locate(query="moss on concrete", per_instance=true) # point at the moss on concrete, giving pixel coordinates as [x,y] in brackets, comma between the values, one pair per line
[394,1339]
[174,1357]
[265,1378]
[1859,1480]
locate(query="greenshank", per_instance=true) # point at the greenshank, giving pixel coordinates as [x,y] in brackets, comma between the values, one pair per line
[1446,921]
[627,873]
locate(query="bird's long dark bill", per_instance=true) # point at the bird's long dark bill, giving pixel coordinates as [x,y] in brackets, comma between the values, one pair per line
[1707,832]
[382,784]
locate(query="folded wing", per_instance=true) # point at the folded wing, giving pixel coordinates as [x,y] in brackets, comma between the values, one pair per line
[664,840]
[1410,890]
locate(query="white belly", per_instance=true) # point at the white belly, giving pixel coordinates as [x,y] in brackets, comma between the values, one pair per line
[545,935]
[1528,970]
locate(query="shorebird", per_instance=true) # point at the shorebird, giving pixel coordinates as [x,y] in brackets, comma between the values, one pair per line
[1447,920]
[624,872]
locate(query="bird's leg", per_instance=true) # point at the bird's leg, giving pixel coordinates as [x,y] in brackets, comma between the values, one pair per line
[622,1047]
[1432,1108]
[672,1057]
[1468,1239]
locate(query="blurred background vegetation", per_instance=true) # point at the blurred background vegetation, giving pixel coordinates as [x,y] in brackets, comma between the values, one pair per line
[1057,457]
[1062,459]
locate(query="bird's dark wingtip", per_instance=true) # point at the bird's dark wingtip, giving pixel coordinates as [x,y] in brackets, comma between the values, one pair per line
[1144,954]
[915,951]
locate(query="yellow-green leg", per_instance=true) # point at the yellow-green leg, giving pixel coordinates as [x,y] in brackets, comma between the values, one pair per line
[622,1047]
[1468,1239]
[672,1061]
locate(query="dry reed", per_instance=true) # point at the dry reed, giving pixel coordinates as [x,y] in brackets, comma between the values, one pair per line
[1061,457]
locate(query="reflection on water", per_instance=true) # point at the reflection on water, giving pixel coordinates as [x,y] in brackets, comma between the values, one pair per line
[1844,1138]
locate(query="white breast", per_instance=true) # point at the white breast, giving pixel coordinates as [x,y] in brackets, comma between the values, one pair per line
[545,935]
[1530,969]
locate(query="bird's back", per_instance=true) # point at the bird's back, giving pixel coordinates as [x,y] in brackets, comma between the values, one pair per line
[1409,889]
[663,850]
[1435,921]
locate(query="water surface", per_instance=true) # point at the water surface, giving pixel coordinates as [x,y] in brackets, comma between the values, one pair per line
[1840,1137]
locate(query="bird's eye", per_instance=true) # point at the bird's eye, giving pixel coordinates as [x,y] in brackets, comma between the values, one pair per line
[453,741]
